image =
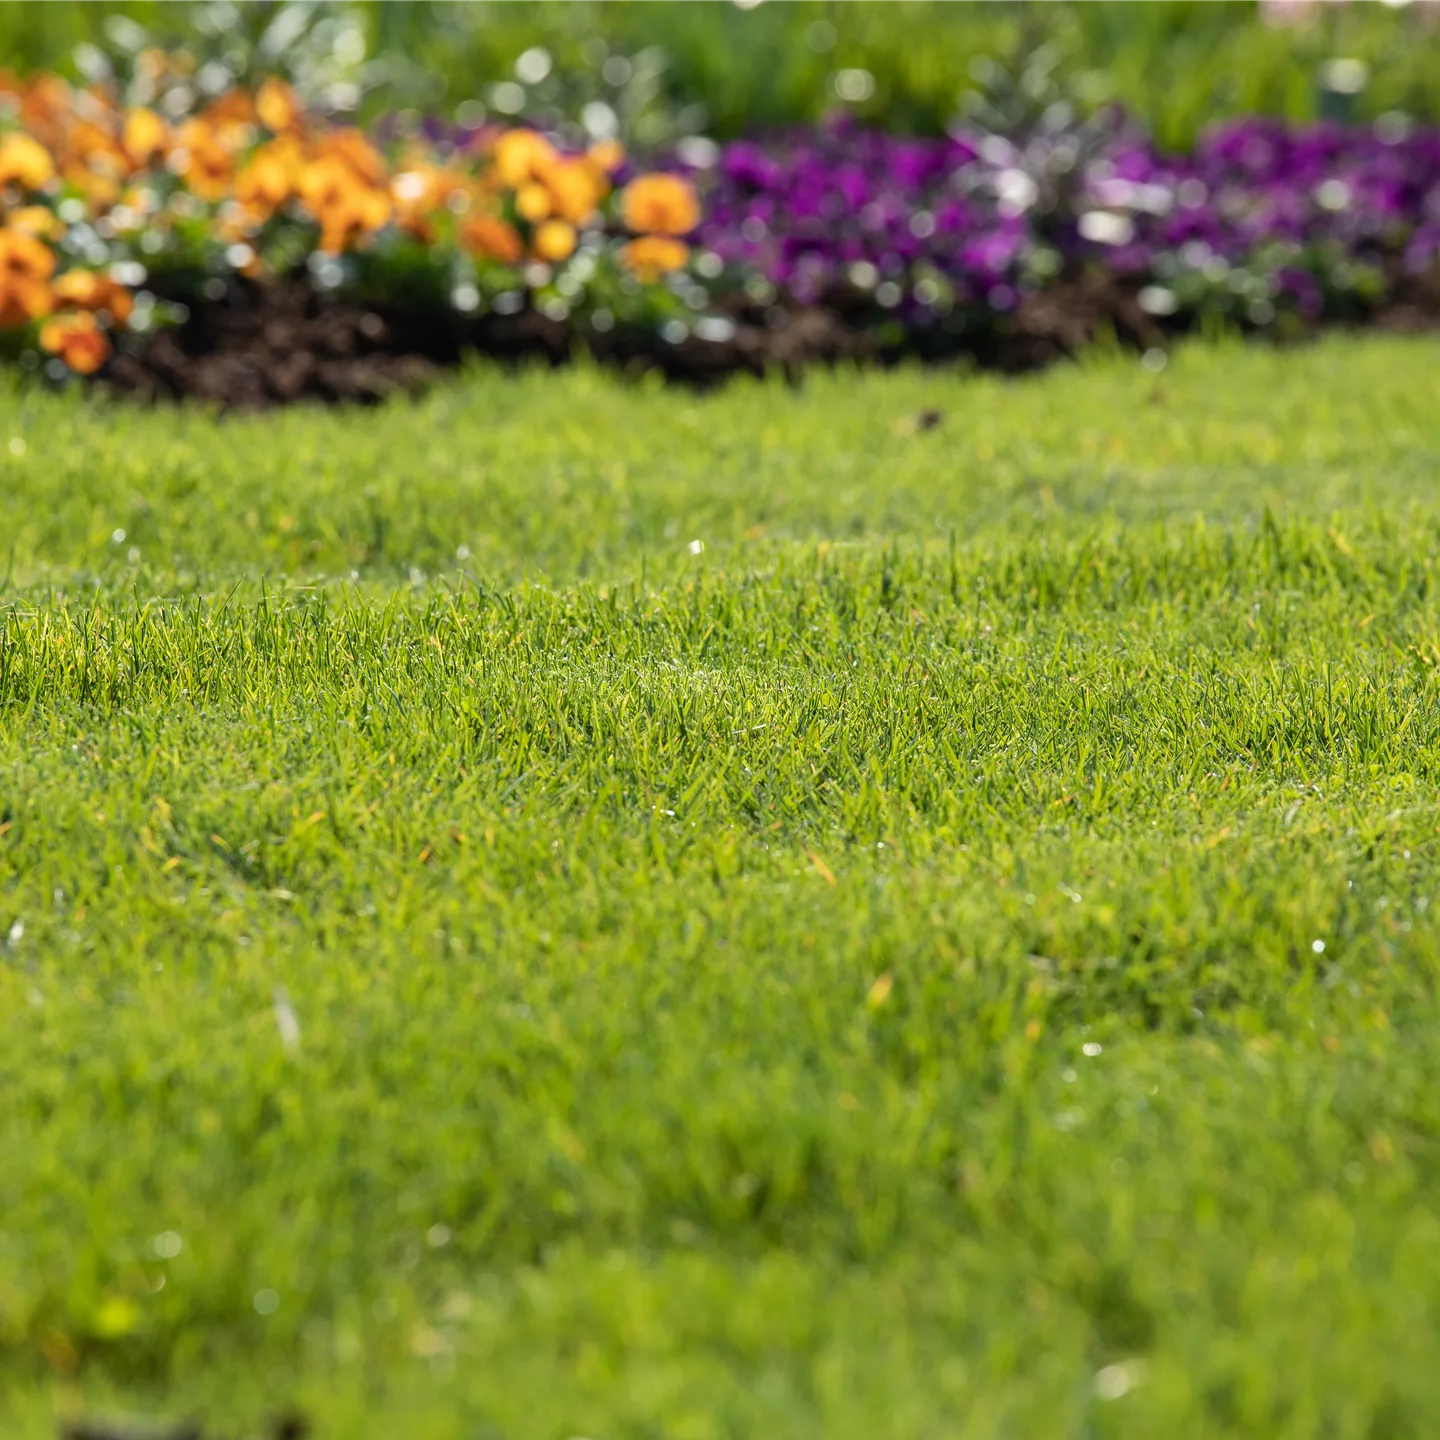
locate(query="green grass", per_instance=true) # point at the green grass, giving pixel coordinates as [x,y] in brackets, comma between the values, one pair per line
[862,978]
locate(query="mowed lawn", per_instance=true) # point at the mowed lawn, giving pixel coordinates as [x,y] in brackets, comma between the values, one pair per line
[574,909]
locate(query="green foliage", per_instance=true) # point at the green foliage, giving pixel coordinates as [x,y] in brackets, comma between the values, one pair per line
[953,951]
[1178,64]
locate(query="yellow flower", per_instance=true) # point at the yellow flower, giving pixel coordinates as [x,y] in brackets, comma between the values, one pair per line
[26,266]
[38,221]
[576,188]
[660,204]
[24,162]
[532,202]
[276,106]
[523,155]
[554,241]
[652,256]
[87,290]
[77,340]
[491,238]
[146,137]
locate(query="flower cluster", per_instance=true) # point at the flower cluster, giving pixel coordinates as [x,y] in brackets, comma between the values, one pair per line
[1315,219]
[101,198]
[97,197]
[815,213]
[1263,219]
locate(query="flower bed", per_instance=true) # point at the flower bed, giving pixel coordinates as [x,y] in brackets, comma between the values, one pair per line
[247,251]
[1265,225]
[118,222]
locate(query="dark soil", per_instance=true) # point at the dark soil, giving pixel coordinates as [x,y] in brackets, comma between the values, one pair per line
[264,344]
[285,1425]
[257,345]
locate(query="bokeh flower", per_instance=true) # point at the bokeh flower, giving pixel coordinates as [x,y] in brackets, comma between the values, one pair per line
[93,161]
[277,107]
[270,178]
[77,340]
[661,205]
[231,116]
[145,139]
[204,159]
[488,237]
[522,156]
[352,149]
[554,241]
[24,162]
[92,291]
[45,105]
[532,202]
[652,256]
[577,185]
[347,206]
[37,220]
[26,265]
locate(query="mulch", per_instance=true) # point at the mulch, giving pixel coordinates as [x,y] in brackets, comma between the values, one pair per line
[256,345]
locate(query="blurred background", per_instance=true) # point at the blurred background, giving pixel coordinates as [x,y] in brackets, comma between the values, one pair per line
[729,68]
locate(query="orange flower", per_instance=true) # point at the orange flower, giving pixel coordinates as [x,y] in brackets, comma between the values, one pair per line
[491,238]
[660,204]
[24,162]
[521,156]
[652,256]
[346,207]
[554,241]
[352,149]
[146,137]
[234,110]
[77,340]
[277,106]
[45,106]
[87,290]
[92,145]
[203,160]
[576,188]
[26,266]
[271,177]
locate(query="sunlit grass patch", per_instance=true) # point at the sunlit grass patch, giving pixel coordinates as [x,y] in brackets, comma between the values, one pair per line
[956,951]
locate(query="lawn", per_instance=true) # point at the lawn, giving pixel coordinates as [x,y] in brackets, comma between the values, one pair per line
[565,909]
